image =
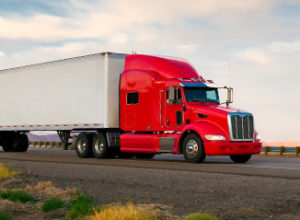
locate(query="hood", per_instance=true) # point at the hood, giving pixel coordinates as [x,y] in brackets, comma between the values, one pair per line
[212,107]
[212,113]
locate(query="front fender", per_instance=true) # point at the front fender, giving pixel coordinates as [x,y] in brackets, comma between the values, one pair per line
[203,128]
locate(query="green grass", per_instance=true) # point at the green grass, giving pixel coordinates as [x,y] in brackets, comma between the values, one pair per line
[17,196]
[52,204]
[200,216]
[81,205]
[5,216]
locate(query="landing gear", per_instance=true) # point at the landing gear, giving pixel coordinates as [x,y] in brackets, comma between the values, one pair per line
[193,150]
[64,137]
[240,158]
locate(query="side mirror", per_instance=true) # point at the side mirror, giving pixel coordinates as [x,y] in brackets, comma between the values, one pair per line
[171,95]
[229,96]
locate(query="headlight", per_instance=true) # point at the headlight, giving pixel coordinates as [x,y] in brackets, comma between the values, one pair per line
[212,137]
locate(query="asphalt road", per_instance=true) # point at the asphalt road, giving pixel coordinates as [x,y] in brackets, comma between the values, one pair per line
[264,188]
[269,166]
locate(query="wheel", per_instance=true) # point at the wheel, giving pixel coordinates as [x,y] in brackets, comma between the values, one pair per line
[15,143]
[144,156]
[240,158]
[22,143]
[193,150]
[7,146]
[83,145]
[100,146]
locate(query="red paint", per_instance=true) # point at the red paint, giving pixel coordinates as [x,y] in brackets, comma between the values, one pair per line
[151,77]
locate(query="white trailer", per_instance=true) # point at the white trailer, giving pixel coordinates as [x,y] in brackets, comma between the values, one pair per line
[64,95]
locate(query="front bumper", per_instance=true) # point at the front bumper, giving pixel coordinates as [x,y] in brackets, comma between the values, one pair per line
[231,148]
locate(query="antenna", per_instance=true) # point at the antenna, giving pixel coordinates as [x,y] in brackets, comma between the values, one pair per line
[229,70]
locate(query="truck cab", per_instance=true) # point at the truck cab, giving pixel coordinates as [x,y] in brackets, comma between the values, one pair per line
[166,106]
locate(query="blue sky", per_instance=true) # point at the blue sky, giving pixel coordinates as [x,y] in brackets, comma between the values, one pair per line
[260,38]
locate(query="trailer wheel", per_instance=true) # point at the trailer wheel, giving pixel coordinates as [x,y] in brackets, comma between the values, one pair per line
[15,143]
[7,146]
[240,158]
[100,146]
[21,143]
[144,156]
[83,145]
[193,150]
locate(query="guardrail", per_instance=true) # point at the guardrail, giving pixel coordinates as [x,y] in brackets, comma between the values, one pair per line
[281,150]
[45,144]
[266,150]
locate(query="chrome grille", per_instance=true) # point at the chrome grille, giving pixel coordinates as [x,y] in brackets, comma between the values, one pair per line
[241,126]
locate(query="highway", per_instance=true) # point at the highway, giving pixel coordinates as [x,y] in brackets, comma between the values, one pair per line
[269,166]
[267,187]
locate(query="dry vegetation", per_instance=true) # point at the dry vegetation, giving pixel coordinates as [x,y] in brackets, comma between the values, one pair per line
[6,172]
[43,200]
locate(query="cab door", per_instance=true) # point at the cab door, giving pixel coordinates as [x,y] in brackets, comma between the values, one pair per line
[174,116]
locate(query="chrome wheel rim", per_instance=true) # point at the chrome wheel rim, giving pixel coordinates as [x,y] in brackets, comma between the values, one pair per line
[81,146]
[99,146]
[192,148]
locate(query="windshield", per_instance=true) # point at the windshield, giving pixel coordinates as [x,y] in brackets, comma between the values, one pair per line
[201,94]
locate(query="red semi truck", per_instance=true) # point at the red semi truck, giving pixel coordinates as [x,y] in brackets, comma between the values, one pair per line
[125,104]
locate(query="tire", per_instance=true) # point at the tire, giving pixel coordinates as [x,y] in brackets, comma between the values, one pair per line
[240,158]
[7,146]
[15,143]
[83,145]
[22,143]
[100,146]
[192,148]
[144,156]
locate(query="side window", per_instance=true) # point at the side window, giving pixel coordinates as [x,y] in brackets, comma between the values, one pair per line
[174,95]
[132,98]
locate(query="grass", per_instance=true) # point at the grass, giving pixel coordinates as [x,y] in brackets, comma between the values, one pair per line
[81,205]
[5,216]
[17,196]
[200,216]
[6,172]
[52,204]
[123,212]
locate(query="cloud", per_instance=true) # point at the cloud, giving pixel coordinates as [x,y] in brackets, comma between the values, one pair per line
[118,15]
[263,47]
[2,54]
[285,47]
[254,55]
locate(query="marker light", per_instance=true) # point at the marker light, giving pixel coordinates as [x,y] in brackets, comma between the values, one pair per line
[212,137]
[258,137]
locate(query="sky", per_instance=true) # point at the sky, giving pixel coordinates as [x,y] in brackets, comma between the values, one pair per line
[253,46]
